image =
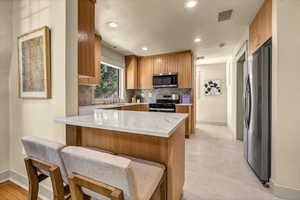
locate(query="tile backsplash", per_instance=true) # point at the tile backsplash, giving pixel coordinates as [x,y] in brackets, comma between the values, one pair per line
[146,95]
[150,95]
[85,95]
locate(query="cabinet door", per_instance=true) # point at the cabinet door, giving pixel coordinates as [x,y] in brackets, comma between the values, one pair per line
[165,63]
[266,24]
[144,108]
[86,37]
[97,57]
[126,108]
[131,72]
[261,26]
[253,40]
[160,64]
[185,70]
[98,53]
[145,72]
[188,121]
[172,63]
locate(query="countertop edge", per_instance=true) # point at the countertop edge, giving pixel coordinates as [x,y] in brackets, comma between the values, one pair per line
[108,106]
[147,133]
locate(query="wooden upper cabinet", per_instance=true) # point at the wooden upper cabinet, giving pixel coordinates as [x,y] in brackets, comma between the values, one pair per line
[165,63]
[145,72]
[131,72]
[261,26]
[185,65]
[147,66]
[86,38]
[97,66]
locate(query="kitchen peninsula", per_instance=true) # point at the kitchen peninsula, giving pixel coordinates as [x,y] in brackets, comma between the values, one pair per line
[152,136]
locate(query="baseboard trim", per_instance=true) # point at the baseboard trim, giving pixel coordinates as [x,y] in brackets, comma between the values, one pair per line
[213,123]
[4,176]
[284,192]
[45,193]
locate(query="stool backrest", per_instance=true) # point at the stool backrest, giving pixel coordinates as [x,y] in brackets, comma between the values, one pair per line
[103,167]
[45,150]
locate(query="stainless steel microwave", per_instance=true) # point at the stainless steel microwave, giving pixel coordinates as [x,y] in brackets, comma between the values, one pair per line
[165,80]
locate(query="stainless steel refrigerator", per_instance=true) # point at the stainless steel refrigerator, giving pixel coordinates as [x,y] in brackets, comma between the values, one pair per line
[257,116]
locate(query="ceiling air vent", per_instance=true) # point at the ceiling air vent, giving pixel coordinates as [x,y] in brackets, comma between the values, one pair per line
[225,15]
[200,58]
[222,45]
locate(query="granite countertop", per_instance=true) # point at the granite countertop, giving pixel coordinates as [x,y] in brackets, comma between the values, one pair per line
[144,123]
[83,110]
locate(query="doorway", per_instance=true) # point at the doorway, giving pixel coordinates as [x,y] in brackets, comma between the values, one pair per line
[241,73]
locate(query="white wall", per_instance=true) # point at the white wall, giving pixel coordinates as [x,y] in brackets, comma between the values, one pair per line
[286,99]
[211,109]
[35,117]
[5,53]
[231,68]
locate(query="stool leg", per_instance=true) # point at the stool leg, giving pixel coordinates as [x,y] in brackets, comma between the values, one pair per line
[57,183]
[163,188]
[33,180]
[76,192]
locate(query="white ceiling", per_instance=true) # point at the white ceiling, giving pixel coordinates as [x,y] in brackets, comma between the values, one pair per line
[168,26]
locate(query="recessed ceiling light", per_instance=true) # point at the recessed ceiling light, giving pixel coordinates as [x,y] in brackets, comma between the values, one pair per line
[197,40]
[145,48]
[191,3]
[113,24]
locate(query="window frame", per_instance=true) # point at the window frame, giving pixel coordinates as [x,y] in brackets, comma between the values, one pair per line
[121,85]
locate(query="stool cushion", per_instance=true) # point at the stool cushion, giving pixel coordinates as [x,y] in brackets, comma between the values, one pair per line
[100,166]
[45,150]
[147,175]
[136,177]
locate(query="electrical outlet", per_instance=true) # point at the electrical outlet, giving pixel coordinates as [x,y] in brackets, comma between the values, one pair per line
[150,95]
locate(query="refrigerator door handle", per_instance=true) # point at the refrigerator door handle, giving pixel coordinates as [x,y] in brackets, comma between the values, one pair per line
[248,103]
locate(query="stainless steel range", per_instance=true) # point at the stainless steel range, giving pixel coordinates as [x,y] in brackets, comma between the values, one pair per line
[165,104]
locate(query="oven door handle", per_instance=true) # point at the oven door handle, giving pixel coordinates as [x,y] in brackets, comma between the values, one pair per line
[162,109]
[165,86]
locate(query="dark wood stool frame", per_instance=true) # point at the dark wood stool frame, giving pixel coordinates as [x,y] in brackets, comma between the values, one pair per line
[60,192]
[78,181]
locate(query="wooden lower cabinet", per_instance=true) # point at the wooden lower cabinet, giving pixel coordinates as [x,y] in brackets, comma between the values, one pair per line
[143,107]
[188,122]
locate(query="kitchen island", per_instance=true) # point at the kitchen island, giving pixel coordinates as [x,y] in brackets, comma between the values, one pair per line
[152,136]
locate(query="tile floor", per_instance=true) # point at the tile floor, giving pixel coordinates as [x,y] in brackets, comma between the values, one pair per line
[216,169]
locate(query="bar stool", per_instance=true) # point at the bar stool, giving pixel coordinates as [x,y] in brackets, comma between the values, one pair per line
[44,160]
[105,176]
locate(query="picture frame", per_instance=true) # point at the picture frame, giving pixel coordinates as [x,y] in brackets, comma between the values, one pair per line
[212,88]
[34,60]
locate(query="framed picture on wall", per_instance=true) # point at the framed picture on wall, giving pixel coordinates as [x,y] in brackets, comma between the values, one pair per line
[34,64]
[212,88]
